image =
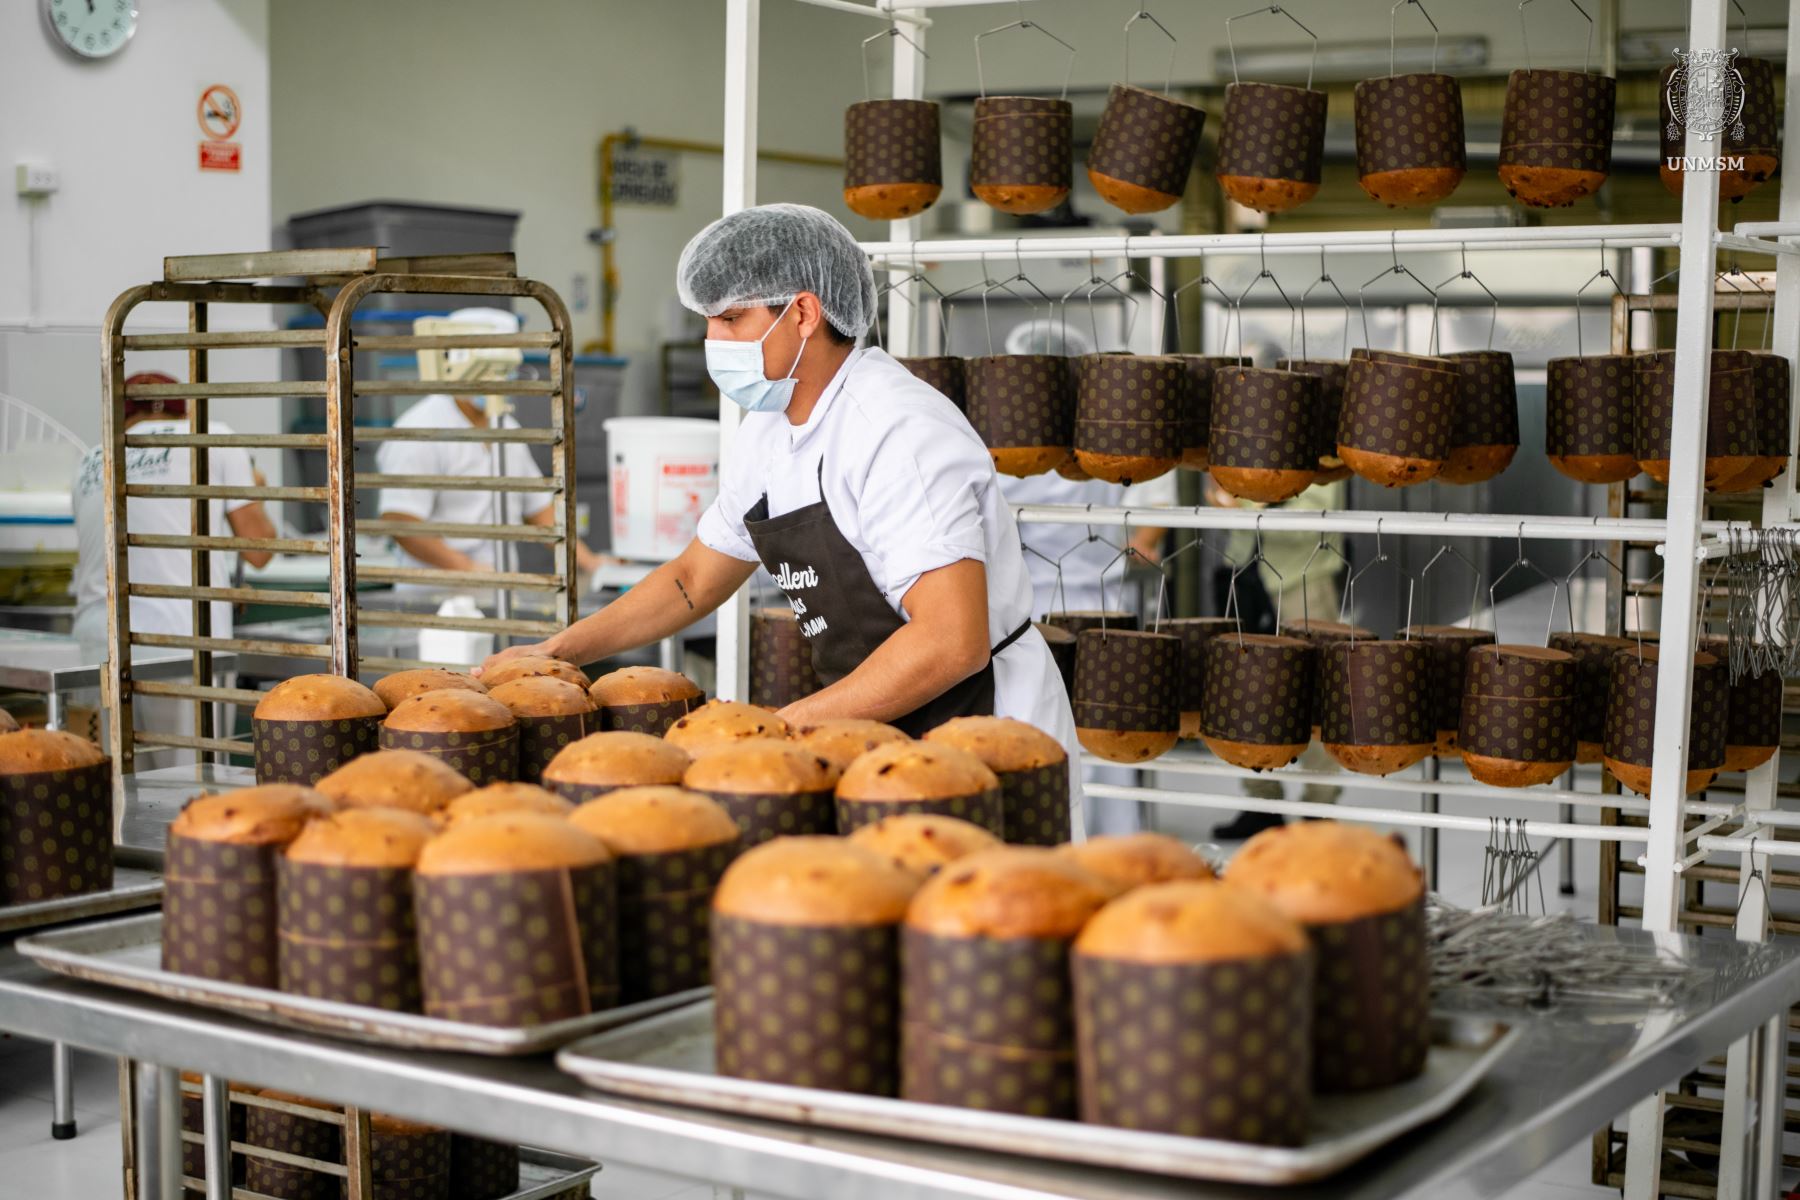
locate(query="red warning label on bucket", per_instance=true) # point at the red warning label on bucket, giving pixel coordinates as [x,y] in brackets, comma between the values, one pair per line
[655,510]
[685,488]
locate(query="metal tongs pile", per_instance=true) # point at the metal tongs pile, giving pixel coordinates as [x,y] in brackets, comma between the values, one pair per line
[1489,955]
[1762,605]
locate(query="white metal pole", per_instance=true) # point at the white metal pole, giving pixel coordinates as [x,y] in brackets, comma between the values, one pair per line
[909,84]
[1674,678]
[741,55]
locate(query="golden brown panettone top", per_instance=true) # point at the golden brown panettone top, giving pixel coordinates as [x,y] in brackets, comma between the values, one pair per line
[618,758]
[760,766]
[506,797]
[924,843]
[395,779]
[363,837]
[388,1125]
[1003,743]
[512,841]
[449,711]
[318,698]
[1316,629]
[1190,921]
[272,814]
[843,739]
[527,665]
[720,722]
[916,771]
[642,685]
[655,820]
[1008,892]
[1129,860]
[815,881]
[404,685]
[542,696]
[7,723]
[29,751]
[1324,872]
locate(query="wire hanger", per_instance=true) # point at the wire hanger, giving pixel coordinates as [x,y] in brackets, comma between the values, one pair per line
[1262,274]
[1232,608]
[1593,555]
[1143,14]
[1605,272]
[1089,288]
[1522,563]
[1474,571]
[1023,22]
[1279,11]
[1398,5]
[891,32]
[1343,303]
[1397,268]
[1203,281]
[1525,34]
[1347,606]
[1436,293]
[1306,568]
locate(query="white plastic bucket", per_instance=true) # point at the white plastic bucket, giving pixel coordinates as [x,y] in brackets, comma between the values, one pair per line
[662,473]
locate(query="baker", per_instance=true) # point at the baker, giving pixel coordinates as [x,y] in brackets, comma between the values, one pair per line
[864,492]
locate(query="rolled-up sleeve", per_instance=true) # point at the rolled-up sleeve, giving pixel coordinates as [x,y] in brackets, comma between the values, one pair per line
[920,504]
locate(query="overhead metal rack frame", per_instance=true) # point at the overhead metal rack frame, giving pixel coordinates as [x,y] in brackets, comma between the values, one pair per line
[335,283]
[1752,1108]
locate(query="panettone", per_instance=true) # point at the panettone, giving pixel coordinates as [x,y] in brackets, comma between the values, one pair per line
[815,881]
[503,798]
[404,685]
[601,762]
[394,779]
[642,685]
[449,711]
[534,664]
[318,698]
[1190,921]
[1323,872]
[720,722]
[655,820]
[511,841]
[1008,892]
[919,777]
[843,739]
[1132,860]
[771,788]
[29,751]
[270,815]
[924,843]
[542,696]
[1033,769]
[362,837]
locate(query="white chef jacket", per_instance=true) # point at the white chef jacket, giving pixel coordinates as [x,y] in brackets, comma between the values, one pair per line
[912,488]
[226,465]
[467,459]
[1084,562]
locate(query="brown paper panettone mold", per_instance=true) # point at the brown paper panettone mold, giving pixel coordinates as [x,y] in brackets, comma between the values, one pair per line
[1062,651]
[1361,900]
[407,1160]
[919,777]
[475,735]
[1448,646]
[1128,416]
[1332,374]
[481,1169]
[1630,745]
[771,788]
[550,714]
[293,1134]
[308,726]
[1734,430]
[1143,151]
[1191,691]
[1484,426]
[1271,145]
[818,916]
[1033,769]
[893,166]
[1409,138]
[1519,719]
[1079,621]
[1375,704]
[1193,1015]
[1753,712]
[533,889]
[642,700]
[1126,686]
[1556,136]
[1321,632]
[1020,151]
[781,664]
[56,817]
[1198,371]
[1258,703]
[943,372]
[1262,445]
[1023,406]
[1592,653]
[1588,417]
[1398,411]
[1771,385]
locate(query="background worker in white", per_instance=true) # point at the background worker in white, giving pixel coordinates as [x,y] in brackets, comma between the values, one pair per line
[469,460]
[858,484]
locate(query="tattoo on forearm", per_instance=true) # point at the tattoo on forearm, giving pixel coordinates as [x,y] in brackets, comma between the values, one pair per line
[684,595]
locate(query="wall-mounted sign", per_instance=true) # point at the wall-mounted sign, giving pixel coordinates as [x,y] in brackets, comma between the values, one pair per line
[648,178]
[219,115]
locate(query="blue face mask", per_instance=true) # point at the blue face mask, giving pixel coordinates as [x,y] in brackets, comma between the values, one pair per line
[737,370]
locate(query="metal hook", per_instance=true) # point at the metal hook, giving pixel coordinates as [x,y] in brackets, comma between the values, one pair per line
[1238,304]
[1400,269]
[1143,14]
[1475,571]
[1201,281]
[1279,11]
[1023,23]
[1593,555]
[1343,302]
[1347,606]
[1605,272]
[1493,312]
[891,32]
[1522,563]
[1306,569]
[1525,34]
[1398,5]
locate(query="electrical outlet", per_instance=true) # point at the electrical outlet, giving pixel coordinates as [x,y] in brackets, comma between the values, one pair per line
[36,179]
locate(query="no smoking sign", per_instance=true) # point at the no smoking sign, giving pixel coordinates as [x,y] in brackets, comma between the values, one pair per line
[219,115]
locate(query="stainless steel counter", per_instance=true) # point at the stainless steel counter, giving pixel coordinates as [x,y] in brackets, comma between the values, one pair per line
[1568,1076]
[54,665]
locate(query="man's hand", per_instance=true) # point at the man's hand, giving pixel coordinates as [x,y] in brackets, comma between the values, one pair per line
[510,653]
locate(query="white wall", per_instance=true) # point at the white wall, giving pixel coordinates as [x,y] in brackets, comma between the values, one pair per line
[504,105]
[123,135]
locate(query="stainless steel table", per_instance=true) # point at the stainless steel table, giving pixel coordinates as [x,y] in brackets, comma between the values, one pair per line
[54,666]
[1568,1076]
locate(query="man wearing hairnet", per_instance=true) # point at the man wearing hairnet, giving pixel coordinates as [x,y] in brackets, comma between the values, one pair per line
[863,490]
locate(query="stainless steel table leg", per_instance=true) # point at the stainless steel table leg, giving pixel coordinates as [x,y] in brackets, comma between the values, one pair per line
[164,1116]
[1565,856]
[1428,837]
[215,1100]
[58,710]
[62,1092]
[668,652]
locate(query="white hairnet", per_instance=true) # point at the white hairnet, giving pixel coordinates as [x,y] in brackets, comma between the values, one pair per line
[772,253]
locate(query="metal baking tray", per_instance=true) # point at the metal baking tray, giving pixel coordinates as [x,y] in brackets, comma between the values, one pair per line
[133,887]
[670,1059]
[543,1174]
[127,953]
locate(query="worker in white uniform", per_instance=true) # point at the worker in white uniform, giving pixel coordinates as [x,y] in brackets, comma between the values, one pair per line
[469,460]
[228,466]
[863,490]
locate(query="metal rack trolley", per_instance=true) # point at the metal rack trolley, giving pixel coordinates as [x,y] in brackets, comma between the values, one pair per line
[1752,1104]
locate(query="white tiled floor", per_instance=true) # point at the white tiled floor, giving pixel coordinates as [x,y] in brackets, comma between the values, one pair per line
[32,1165]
